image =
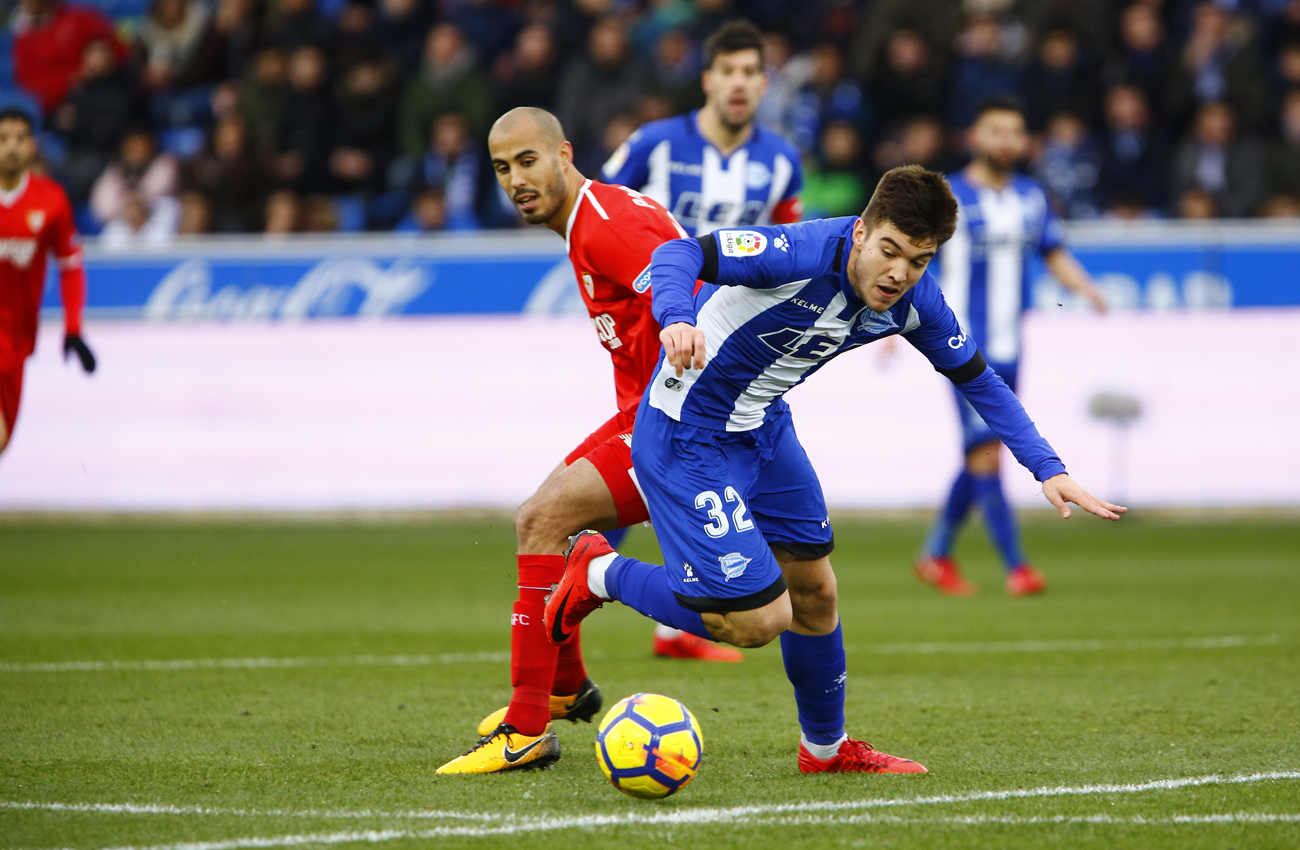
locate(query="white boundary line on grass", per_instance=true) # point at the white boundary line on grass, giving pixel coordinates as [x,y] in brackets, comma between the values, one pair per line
[776,815]
[1219,642]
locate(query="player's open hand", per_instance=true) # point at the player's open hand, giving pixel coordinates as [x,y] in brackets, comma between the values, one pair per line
[1062,489]
[73,344]
[683,346]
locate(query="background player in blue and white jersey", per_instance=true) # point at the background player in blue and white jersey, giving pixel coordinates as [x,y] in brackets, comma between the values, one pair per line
[737,506]
[715,167]
[1004,218]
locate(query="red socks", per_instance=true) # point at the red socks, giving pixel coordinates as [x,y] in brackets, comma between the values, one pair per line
[532,656]
[570,672]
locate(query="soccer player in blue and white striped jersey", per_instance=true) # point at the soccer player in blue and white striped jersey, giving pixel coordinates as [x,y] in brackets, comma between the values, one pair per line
[715,167]
[1003,219]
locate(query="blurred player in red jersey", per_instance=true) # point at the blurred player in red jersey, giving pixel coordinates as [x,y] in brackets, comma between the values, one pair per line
[610,232]
[35,219]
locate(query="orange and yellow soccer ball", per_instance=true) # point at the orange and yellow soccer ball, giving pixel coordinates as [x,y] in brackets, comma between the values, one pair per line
[649,746]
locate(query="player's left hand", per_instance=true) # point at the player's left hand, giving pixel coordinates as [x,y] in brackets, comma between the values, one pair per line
[74,343]
[1060,489]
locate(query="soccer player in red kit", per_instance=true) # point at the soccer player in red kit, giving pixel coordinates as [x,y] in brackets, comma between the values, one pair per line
[610,232]
[35,220]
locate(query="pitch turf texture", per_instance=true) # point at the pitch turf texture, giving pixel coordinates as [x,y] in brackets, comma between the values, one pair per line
[314,676]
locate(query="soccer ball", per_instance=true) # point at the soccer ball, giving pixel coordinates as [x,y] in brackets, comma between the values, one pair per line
[649,746]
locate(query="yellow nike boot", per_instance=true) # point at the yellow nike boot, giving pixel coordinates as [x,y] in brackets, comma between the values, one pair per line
[583,706]
[505,748]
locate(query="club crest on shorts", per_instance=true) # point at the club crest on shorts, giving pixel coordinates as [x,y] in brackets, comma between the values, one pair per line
[742,243]
[733,565]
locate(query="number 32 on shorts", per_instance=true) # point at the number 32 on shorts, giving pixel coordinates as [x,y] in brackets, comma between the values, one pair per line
[711,502]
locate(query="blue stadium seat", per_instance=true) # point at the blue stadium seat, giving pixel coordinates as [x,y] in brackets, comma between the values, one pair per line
[182,142]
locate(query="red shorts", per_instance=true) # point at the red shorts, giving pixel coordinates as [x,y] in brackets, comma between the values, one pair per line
[609,448]
[11,390]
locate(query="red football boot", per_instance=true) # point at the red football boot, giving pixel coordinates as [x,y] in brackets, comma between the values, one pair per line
[856,757]
[1024,580]
[572,600]
[940,571]
[687,645]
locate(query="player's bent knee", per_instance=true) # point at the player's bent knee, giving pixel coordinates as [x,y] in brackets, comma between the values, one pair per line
[985,459]
[755,628]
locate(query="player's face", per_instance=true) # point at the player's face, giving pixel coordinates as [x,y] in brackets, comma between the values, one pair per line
[734,85]
[532,175]
[999,138]
[17,146]
[885,264]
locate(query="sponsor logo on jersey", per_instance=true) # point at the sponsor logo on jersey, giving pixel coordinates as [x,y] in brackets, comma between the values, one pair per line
[673,384]
[877,323]
[742,243]
[690,572]
[781,242]
[604,325]
[733,565]
[799,302]
[626,438]
[758,175]
[615,163]
[642,282]
[956,342]
[690,169]
[589,285]
[18,251]
[36,220]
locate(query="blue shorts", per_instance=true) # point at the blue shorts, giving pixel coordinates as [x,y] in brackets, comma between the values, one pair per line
[720,500]
[974,430]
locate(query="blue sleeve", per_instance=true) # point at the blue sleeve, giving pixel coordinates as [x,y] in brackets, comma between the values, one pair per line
[997,404]
[674,268]
[767,257]
[1053,235]
[629,165]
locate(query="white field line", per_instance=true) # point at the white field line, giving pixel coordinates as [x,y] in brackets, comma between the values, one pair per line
[1027,646]
[776,815]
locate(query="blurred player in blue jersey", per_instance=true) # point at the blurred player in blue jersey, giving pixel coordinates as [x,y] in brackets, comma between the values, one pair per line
[714,168]
[737,506]
[1003,219]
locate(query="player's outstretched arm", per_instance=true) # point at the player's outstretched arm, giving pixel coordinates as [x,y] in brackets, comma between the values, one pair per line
[1062,489]
[1070,272]
[683,346]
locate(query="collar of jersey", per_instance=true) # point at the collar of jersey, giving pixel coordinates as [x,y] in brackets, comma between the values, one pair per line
[693,116]
[8,199]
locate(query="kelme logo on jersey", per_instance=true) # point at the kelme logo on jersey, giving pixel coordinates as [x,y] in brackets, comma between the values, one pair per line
[742,243]
[733,565]
[642,282]
[877,323]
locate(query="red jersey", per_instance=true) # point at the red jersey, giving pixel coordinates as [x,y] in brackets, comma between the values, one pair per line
[35,219]
[610,235]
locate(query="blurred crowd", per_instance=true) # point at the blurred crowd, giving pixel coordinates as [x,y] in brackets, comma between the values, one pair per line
[280,116]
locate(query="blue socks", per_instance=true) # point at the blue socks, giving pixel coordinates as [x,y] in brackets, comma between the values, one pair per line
[950,519]
[999,519]
[644,587]
[816,666]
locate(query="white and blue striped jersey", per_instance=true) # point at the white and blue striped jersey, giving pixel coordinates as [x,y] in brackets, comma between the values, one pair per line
[783,307]
[984,269]
[671,162]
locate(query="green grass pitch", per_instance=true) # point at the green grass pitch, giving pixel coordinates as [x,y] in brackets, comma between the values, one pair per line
[1163,666]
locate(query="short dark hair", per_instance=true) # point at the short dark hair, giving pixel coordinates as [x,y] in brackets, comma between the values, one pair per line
[917,201]
[15,113]
[1004,102]
[733,37]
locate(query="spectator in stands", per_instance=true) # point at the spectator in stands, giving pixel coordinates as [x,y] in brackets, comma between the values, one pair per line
[454,165]
[985,66]
[364,119]
[1061,75]
[196,215]
[400,28]
[1213,159]
[1281,206]
[230,175]
[488,27]
[1143,56]
[938,21]
[827,96]
[912,81]
[1218,64]
[526,76]
[261,100]
[282,212]
[447,81]
[1069,166]
[229,44]
[139,222]
[917,141]
[428,213]
[1284,152]
[306,124]
[597,84]
[1134,151]
[676,72]
[1197,205]
[139,176]
[833,181]
[93,118]
[296,23]
[355,39]
[50,39]
[169,41]
[1287,67]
